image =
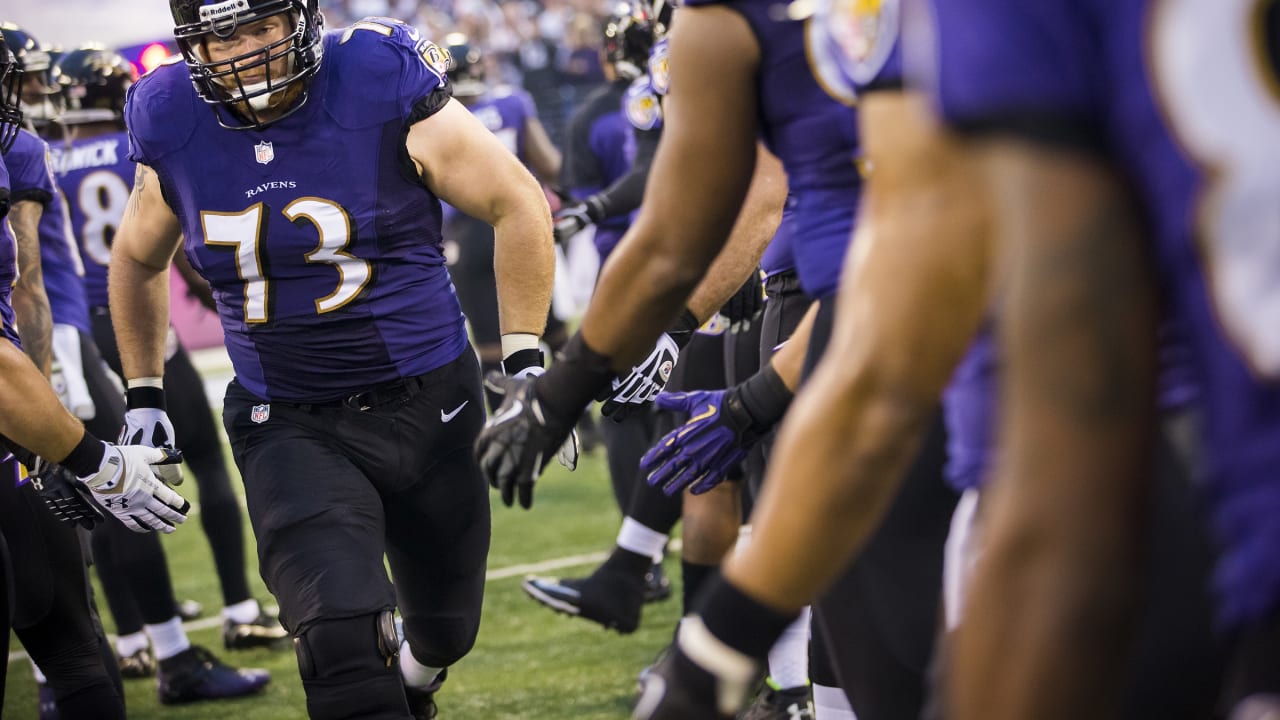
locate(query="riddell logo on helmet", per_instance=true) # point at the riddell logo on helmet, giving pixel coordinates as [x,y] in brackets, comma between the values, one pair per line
[209,13]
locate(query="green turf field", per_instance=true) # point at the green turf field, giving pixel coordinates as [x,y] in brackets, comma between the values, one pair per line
[527,663]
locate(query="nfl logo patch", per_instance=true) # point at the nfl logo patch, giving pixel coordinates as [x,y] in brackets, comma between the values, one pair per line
[260,413]
[264,152]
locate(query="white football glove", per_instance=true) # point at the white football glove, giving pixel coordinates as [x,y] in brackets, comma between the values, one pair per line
[150,427]
[126,486]
[644,382]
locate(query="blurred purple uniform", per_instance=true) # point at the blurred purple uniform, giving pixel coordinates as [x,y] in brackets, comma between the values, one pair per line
[1161,92]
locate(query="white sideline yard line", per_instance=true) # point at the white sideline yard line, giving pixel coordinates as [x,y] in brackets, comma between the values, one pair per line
[215,620]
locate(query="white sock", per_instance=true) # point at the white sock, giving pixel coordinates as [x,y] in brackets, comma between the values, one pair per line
[168,638]
[130,644]
[641,540]
[789,656]
[35,670]
[245,611]
[415,674]
[829,703]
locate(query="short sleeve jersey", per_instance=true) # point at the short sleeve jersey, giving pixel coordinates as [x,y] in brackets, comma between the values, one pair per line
[321,244]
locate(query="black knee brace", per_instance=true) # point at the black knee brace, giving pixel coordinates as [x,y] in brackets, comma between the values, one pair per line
[348,668]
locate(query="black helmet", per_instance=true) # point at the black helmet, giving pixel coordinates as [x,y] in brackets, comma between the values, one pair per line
[33,60]
[239,104]
[466,66]
[10,106]
[93,82]
[628,37]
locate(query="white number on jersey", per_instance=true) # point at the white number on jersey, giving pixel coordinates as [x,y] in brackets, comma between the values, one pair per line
[244,231]
[1219,84]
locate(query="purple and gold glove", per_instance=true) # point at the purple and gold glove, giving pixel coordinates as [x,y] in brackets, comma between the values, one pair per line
[723,426]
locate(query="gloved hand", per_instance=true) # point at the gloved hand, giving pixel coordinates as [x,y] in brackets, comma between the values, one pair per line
[745,303]
[519,438]
[714,685]
[571,220]
[69,499]
[126,485]
[567,455]
[723,426]
[643,383]
[146,423]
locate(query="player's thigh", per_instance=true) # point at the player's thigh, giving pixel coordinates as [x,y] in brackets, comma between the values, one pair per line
[318,520]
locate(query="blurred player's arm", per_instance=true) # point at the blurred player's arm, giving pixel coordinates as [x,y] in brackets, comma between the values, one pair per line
[30,301]
[467,166]
[756,225]
[544,157]
[138,282]
[701,173]
[1064,521]
[30,413]
[914,293]
[197,286]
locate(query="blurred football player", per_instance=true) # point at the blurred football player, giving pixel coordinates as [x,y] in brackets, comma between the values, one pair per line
[95,175]
[52,611]
[1108,197]
[356,398]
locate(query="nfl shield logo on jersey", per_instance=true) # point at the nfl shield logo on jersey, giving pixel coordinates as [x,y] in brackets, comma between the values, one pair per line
[260,413]
[264,152]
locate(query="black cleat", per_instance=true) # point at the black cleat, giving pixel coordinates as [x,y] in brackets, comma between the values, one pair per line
[422,701]
[610,599]
[656,585]
[141,664]
[788,704]
[195,674]
[264,631]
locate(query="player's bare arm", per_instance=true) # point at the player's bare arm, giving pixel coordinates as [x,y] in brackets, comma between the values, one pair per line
[1064,514]
[544,157]
[913,296]
[138,279]
[197,286]
[33,416]
[30,302]
[700,176]
[756,225]
[466,166]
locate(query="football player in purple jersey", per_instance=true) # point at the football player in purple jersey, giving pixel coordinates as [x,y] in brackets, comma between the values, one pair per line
[52,611]
[303,172]
[1120,194]
[95,174]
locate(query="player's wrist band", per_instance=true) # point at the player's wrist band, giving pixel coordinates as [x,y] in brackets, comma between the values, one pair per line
[685,325]
[86,457]
[766,398]
[145,397]
[574,379]
[740,621]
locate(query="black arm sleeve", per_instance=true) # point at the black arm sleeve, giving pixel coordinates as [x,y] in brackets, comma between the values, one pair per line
[625,194]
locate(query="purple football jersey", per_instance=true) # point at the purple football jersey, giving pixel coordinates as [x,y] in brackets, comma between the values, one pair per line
[857,45]
[8,266]
[1163,91]
[33,179]
[506,112]
[96,176]
[599,149]
[811,127]
[323,251]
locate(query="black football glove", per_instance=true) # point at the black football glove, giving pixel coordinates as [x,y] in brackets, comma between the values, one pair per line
[66,496]
[650,377]
[520,438]
[575,217]
[741,309]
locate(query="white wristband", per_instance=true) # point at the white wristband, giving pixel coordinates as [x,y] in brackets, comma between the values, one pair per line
[515,342]
[151,382]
